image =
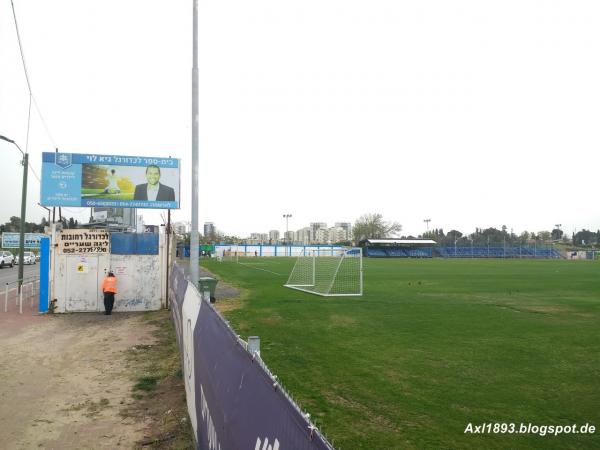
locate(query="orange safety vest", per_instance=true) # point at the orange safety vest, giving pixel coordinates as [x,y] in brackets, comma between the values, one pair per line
[109,284]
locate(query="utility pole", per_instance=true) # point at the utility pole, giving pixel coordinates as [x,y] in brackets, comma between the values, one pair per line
[427,222]
[25,163]
[47,209]
[194,238]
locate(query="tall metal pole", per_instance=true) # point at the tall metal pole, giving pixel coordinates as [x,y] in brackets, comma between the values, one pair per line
[22,229]
[194,238]
[23,210]
[168,235]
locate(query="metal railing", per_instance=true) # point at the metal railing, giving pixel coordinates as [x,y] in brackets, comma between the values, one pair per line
[30,284]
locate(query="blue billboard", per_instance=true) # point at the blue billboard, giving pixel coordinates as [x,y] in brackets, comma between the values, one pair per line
[11,240]
[90,180]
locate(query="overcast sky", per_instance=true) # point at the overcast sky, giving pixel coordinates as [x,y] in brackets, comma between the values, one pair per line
[471,113]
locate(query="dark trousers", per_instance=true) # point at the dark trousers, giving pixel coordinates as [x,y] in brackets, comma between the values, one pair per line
[109,302]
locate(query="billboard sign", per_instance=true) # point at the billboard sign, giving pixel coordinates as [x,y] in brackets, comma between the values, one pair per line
[90,180]
[11,240]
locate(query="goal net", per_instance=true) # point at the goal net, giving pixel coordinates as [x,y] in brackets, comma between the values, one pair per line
[328,272]
[228,256]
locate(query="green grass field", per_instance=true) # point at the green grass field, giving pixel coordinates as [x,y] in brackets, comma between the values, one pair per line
[432,346]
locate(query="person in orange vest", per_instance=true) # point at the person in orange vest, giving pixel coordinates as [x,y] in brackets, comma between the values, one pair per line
[109,289]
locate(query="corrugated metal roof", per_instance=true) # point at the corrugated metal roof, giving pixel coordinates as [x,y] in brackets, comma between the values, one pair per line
[402,241]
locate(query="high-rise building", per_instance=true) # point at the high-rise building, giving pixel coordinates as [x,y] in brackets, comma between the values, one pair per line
[314,226]
[321,236]
[180,228]
[257,238]
[347,227]
[117,219]
[303,236]
[289,237]
[273,236]
[209,230]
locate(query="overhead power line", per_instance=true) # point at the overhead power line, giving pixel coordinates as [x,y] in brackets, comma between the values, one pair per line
[31,96]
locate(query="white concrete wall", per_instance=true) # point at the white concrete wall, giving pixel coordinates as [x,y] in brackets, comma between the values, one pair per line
[267,250]
[138,282]
[141,281]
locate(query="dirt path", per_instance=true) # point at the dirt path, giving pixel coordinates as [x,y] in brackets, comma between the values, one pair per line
[64,381]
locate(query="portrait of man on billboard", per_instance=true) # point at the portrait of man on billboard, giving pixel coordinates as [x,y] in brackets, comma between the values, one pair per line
[153,190]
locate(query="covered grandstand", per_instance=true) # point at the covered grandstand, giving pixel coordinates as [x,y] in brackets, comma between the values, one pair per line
[398,248]
[427,248]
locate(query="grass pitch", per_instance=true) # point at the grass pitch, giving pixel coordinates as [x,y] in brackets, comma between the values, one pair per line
[432,346]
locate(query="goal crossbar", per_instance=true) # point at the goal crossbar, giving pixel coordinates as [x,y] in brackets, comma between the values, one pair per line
[328,272]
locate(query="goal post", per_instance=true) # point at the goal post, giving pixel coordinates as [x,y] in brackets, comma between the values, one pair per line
[228,256]
[328,272]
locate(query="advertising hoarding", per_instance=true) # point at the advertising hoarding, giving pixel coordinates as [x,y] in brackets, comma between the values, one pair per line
[11,240]
[91,180]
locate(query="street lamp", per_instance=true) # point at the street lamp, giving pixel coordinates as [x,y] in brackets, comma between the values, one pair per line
[25,163]
[287,218]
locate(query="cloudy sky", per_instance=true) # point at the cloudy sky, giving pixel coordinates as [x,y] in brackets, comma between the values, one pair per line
[471,113]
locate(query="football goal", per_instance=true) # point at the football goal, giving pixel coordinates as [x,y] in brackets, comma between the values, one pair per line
[228,256]
[328,272]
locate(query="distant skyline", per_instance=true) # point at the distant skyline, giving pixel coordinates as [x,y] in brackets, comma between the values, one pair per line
[472,114]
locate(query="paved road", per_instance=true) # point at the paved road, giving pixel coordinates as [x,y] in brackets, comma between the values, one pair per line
[8,275]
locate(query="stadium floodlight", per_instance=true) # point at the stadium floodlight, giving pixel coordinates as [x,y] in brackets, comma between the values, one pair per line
[287,218]
[328,272]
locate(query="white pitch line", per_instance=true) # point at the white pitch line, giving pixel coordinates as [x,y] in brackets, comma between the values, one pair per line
[258,268]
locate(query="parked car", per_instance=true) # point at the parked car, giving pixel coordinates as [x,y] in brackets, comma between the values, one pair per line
[6,259]
[28,258]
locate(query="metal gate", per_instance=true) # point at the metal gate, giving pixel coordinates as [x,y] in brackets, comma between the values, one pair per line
[84,275]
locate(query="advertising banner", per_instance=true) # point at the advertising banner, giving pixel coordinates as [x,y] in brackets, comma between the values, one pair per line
[83,241]
[90,180]
[11,240]
[233,401]
[238,404]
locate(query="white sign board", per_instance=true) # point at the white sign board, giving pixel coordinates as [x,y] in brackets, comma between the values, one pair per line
[83,241]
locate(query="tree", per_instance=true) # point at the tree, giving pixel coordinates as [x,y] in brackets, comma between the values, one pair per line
[544,235]
[584,237]
[372,226]
[557,234]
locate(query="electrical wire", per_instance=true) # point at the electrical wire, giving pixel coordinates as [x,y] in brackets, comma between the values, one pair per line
[33,172]
[31,96]
[20,46]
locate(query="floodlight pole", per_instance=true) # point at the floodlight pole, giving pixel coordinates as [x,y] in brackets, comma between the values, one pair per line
[23,211]
[194,238]
[286,217]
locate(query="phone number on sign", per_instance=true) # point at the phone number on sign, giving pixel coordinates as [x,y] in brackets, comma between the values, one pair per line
[86,250]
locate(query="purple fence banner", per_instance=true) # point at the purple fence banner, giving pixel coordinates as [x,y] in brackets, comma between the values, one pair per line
[234,401]
[239,405]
